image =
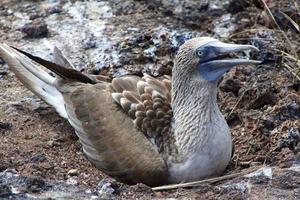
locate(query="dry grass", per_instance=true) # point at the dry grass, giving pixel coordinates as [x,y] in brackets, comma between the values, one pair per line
[290,61]
[205,181]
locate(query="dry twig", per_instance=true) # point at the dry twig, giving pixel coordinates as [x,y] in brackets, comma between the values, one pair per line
[197,183]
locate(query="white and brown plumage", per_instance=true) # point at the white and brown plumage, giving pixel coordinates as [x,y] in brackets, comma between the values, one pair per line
[143,129]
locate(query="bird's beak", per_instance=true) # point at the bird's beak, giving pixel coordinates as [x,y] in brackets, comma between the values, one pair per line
[218,59]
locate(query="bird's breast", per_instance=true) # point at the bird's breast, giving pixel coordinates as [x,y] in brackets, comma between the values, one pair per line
[206,158]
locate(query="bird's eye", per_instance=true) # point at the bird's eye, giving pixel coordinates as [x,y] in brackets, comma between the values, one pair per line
[199,53]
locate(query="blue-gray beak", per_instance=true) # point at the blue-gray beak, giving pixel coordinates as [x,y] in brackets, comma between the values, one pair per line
[214,60]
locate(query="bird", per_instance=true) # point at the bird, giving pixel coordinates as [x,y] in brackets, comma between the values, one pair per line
[142,129]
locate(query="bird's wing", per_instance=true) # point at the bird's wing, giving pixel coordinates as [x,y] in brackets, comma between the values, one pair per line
[109,138]
[147,101]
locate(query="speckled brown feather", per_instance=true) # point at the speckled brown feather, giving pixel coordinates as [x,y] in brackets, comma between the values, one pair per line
[148,102]
[109,138]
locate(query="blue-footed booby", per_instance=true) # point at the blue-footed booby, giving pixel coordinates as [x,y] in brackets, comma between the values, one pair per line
[143,129]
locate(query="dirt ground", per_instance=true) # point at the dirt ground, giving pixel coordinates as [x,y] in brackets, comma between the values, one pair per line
[261,104]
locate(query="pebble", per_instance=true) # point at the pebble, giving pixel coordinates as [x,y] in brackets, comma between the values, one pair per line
[105,190]
[35,30]
[3,72]
[5,125]
[73,172]
[38,158]
[71,181]
[1,61]
[50,143]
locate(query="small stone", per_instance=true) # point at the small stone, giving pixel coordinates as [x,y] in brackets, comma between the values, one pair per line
[236,6]
[292,141]
[1,61]
[231,85]
[33,30]
[38,158]
[233,119]
[50,143]
[72,181]
[245,164]
[3,72]
[73,172]
[5,191]
[34,184]
[88,191]
[53,10]
[53,143]
[105,189]
[89,42]
[290,111]
[265,98]
[5,125]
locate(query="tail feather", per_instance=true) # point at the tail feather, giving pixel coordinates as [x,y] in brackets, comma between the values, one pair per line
[60,59]
[34,78]
[63,72]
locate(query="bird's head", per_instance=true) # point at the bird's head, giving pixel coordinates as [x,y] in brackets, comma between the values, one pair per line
[209,58]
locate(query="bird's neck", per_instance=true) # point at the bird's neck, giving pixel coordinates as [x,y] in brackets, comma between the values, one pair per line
[195,108]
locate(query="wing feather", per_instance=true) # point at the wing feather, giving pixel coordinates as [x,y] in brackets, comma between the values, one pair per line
[147,101]
[108,136]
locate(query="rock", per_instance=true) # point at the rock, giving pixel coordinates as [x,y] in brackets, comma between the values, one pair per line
[71,181]
[295,86]
[266,98]
[53,10]
[263,41]
[268,124]
[34,184]
[263,172]
[5,191]
[233,119]
[50,143]
[231,84]
[1,61]
[224,26]
[40,157]
[140,187]
[105,189]
[292,141]
[15,186]
[151,50]
[5,126]
[236,6]
[73,172]
[4,164]
[263,94]
[244,164]
[289,180]
[89,42]
[35,30]
[283,21]
[289,111]
[3,72]
[106,192]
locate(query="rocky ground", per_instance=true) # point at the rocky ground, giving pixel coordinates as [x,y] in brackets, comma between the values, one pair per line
[41,157]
